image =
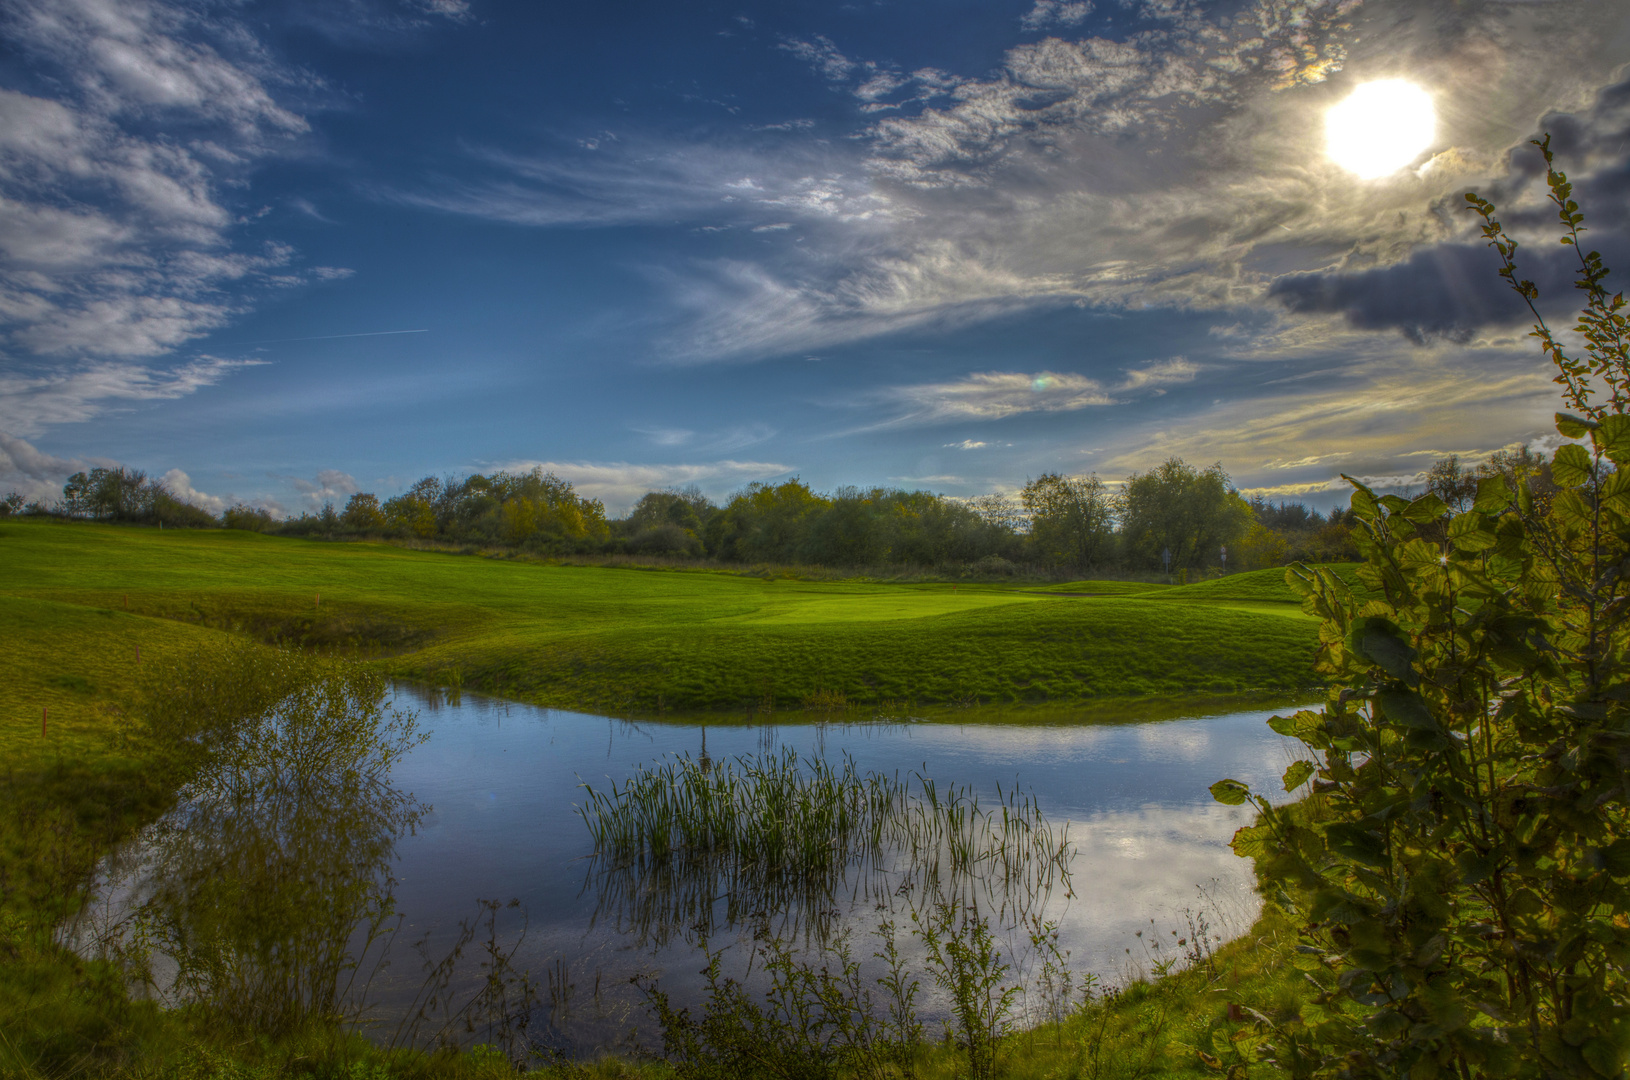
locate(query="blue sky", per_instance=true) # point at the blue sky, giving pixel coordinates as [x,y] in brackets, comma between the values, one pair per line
[282,252]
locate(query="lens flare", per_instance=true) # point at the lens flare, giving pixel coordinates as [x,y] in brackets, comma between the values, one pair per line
[1381,128]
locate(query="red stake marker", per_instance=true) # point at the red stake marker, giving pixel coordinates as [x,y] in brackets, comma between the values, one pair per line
[45,715]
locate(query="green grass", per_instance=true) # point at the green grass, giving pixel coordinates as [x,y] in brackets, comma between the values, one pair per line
[1258,586]
[1103,588]
[620,639]
[561,635]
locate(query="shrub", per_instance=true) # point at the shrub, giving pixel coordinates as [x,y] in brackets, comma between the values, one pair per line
[1463,885]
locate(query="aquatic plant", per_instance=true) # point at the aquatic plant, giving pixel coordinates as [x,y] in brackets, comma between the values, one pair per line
[776,833]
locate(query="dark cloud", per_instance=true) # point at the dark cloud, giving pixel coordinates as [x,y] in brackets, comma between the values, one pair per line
[1443,292]
[1449,291]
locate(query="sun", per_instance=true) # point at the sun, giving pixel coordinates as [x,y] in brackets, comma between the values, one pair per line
[1381,128]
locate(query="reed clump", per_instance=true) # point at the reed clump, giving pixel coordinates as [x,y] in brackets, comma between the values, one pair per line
[776,832]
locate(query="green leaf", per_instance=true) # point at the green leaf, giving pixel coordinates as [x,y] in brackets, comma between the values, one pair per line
[1613,438]
[1616,857]
[1573,427]
[1253,842]
[1406,709]
[1572,466]
[1362,845]
[1297,774]
[1230,792]
[1493,495]
[1472,532]
[1603,1057]
[1425,510]
[1378,641]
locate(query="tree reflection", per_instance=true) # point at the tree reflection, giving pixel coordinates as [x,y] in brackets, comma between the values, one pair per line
[257,900]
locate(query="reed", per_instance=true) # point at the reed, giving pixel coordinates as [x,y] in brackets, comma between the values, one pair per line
[778,833]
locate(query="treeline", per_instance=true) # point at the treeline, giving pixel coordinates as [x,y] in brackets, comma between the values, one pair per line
[1173,518]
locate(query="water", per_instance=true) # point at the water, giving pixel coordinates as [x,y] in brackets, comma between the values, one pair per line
[254,888]
[502,783]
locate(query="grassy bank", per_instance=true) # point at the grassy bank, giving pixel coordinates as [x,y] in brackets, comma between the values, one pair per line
[599,638]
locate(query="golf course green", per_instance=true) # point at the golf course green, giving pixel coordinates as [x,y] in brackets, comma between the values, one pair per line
[78,600]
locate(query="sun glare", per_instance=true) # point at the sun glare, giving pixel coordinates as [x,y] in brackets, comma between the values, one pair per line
[1381,128]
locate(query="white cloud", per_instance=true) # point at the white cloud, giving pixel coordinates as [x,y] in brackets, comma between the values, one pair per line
[821,54]
[993,395]
[1389,408]
[966,444]
[619,484]
[1160,373]
[33,474]
[31,402]
[328,486]
[179,484]
[655,178]
[1056,13]
[117,238]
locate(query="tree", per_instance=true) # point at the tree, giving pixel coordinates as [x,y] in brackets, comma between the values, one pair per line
[1452,482]
[1463,874]
[363,513]
[764,523]
[1072,519]
[1180,509]
[249,518]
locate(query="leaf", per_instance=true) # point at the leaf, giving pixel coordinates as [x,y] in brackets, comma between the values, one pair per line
[1297,774]
[1394,503]
[1572,466]
[1492,495]
[1253,842]
[1352,839]
[1378,641]
[1613,438]
[1230,792]
[1425,510]
[1407,709]
[1420,555]
[1573,427]
[1472,532]
[1603,1057]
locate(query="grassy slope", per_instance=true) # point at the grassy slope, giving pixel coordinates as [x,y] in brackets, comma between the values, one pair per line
[591,637]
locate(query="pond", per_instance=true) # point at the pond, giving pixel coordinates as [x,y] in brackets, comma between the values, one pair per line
[498,790]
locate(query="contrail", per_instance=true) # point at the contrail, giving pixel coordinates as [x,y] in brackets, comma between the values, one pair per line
[325,337]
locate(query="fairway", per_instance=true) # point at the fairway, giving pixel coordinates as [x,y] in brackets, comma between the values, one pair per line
[627,640]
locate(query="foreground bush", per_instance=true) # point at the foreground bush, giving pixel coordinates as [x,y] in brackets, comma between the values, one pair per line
[1464,896]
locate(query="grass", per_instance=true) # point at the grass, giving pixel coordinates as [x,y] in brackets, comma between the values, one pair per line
[622,640]
[77,601]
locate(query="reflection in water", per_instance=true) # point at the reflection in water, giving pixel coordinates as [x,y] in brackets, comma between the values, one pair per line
[258,898]
[789,845]
[267,896]
[507,781]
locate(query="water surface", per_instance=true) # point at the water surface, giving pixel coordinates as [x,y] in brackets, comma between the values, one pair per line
[502,781]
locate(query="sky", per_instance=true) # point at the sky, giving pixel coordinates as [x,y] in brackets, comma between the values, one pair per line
[280,253]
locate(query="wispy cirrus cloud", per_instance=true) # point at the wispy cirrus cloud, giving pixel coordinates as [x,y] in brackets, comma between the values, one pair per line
[31,402]
[1159,374]
[1056,13]
[995,395]
[621,484]
[1297,438]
